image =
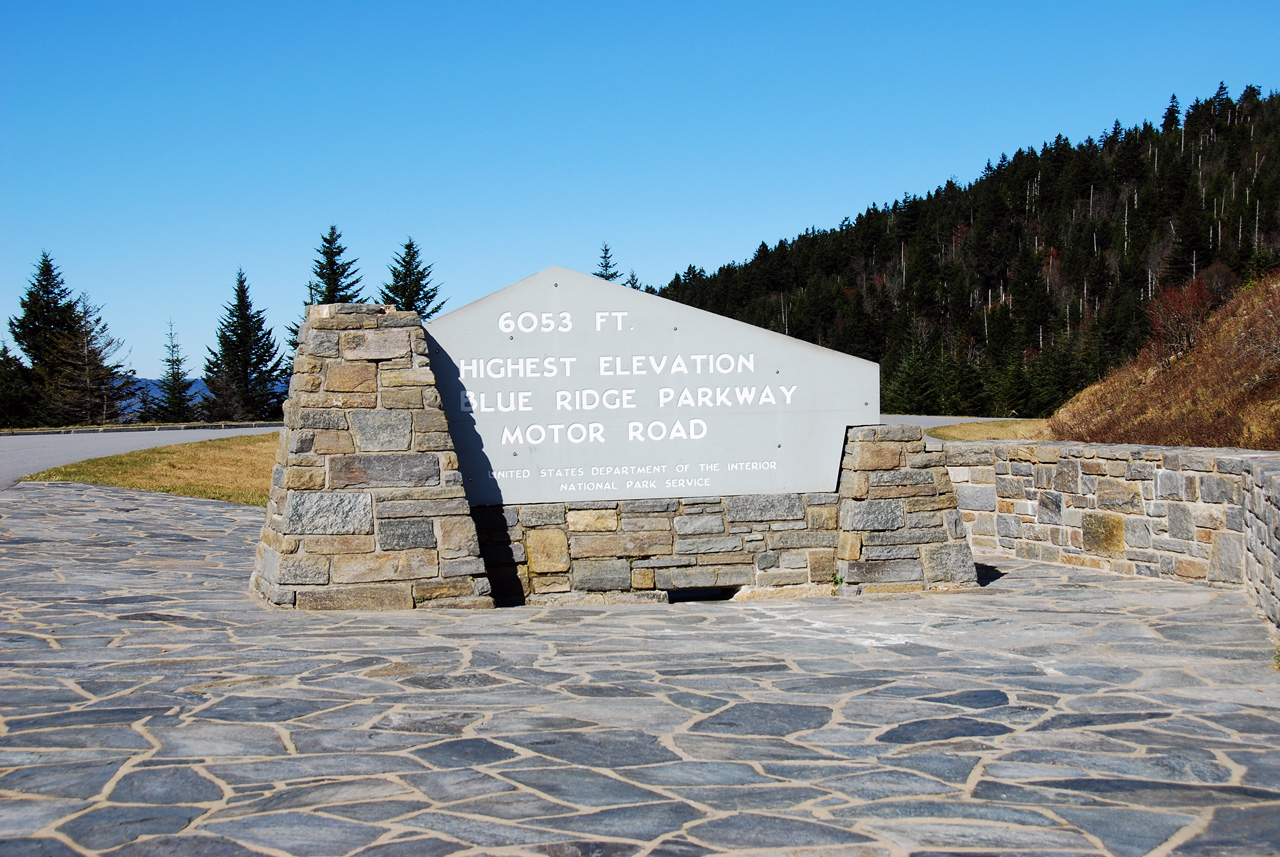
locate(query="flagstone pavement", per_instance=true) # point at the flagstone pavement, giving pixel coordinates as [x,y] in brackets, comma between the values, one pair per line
[148,706]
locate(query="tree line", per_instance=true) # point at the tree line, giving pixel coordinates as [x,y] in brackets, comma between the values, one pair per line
[1006,296]
[67,370]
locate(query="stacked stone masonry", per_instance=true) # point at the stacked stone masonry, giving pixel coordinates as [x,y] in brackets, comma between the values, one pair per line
[1203,515]
[367,509]
[891,525]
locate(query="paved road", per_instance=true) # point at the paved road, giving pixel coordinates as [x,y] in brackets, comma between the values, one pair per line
[149,707]
[23,454]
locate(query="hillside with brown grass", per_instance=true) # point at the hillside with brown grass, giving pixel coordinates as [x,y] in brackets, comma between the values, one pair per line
[1209,381]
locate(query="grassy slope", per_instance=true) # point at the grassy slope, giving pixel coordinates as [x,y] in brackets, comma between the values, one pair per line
[237,469]
[1225,392]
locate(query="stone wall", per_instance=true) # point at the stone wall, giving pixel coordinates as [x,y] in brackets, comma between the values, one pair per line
[891,525]
[1206,515]
[366,510]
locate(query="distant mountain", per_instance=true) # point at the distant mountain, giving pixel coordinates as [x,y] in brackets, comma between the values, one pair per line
[1006,296]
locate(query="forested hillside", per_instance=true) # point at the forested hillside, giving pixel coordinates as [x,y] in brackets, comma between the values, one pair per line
[1008,295]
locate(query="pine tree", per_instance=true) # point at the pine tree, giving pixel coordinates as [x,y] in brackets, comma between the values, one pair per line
[410,287]
[1172,116]
[48,314]
[632,281]
[17,396]
[82,383]
[244,373]
[176,403]
[336,280]
[606,269]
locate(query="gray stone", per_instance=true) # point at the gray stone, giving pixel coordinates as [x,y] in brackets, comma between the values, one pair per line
[764,507]
[1049,508]
[640,507]
[863,515]
[976,498]
[397,534]
[721,544]
[322,343]
[323,419]
[689,525]
[888,571]
[389,470]
[294,570]
[600,575]
[1009,526]
[328,513]
[381,430]
[542,515]
[948,563]
[1181,522]
[1137,532]
[1226,561]
[1217,489]
[462,566]
[1113,495]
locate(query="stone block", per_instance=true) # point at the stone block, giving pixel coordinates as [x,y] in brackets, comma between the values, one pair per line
[647,507]
[802,539]
[366,597]
[456,535]
[381,430]
[547,549]
[329,545]
[703,576]
[1181,522]
[323,401]
[899,433]
[826,517]
[927,535]
[428,420]
[1114,495]
[720,544]
[322,343]
[406,398]
[351,378]
[872,456]
[463,566]
[867,515]
[1218,489]
[890,571]
[328,513]
[542,515]
[320,418]
[644,523]
[296,570]
[419,377]
[977,498]
[406,533]
[600,575]
[1226,559]
[1103,534]
[951,562]
[422,508]
[434,590]
[884,552]
[692,525]
[391,470]
[1049,508]
[373,344]
[1009,526]
[822,565]
[1137,532]
[854,485]
[370,568]
[1193,569]
[963,455]
[304,478]
[590,545]
[783,577]
[764,507]
[641,578]
[592,520]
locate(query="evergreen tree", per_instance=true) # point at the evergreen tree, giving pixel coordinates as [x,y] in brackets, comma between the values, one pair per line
[244,374]
[48,314]
[335,280]
[1172,116]
[17,396]
[632,281]
[176,402]
[82,383]
[606,269]
[410,287]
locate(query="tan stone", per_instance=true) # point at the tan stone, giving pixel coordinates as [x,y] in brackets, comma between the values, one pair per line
[337,400]
[823,517]
[641,578]
[403,398]
[930,504]
[850,546]
[374,344]
[448,460]
[304,365]
[822,565]
[456,537]
[592,520]
[644,523]
[365,568]
[304,384]
[368,597]
[548,551]
[549,583]
[872,456]
[735,558]
[428,420]
[332,443]
[278,542]
[782,577]
[1083,561]
[1191,568]
[874,588]
[432,441]
[621,544]
[304,478]
[351,377]
[455,587]
[337,544]
[407,378]
[854,485]
[1103,534]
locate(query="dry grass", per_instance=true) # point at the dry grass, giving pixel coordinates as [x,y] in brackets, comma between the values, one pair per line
[236,469]
[1225,392]
[993,430]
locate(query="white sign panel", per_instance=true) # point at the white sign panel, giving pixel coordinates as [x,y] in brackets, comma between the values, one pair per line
[566,387]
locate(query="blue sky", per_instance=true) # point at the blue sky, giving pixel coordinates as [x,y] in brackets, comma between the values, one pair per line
[154,148]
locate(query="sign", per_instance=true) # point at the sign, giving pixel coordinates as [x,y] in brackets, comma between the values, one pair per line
[567,387]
